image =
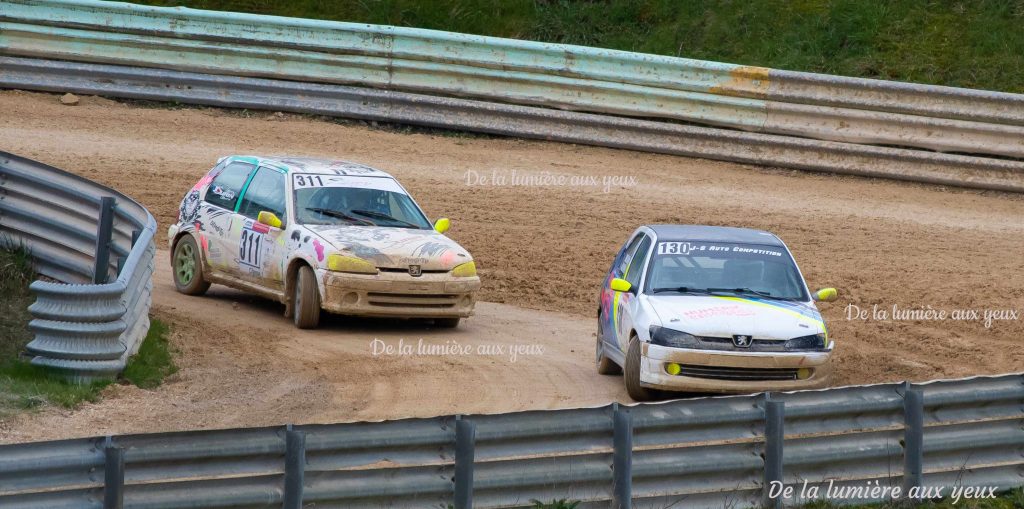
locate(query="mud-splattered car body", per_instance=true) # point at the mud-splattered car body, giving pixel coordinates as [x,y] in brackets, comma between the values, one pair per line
[710,309]
[257,221]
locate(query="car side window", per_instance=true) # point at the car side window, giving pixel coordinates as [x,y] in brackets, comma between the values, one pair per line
[634,269]
[265,192]
[627,255]
[225,188]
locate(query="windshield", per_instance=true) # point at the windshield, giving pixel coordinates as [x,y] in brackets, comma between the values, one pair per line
[724,268]
[367,201]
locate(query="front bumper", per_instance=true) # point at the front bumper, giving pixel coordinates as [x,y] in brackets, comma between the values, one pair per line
[431,295]
[733,372]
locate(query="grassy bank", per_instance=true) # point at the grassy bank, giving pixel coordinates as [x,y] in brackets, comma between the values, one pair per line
[965,44]
[15,276]
[24,386]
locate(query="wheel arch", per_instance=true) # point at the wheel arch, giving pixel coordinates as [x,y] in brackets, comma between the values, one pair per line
[177,238]
[291,275]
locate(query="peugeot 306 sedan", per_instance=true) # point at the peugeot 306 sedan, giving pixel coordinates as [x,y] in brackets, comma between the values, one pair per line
[710,309]
[318,234]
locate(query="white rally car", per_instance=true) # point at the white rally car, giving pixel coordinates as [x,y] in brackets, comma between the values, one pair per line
[710,309]
[318,234]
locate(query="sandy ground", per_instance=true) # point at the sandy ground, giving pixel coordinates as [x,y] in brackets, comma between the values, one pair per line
[251,367]
[539,248]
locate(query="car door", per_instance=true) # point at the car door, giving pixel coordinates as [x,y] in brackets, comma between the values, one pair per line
[629,303]
[610,299]
[221,199]
[261,248]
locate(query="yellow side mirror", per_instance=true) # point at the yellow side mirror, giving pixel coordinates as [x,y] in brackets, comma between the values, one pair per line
[826,295]
[442,225]
[620,285]
[269,219]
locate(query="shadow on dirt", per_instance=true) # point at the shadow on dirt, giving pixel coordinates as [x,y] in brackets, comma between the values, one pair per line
[328,321]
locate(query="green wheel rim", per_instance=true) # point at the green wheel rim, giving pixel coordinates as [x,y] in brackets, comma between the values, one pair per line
[185,264]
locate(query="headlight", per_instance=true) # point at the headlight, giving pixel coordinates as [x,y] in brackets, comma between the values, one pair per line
[341,263]
[673,338]
[467,269]
[814,342]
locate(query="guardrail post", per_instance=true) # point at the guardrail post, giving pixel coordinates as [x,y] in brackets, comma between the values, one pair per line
[113,476]
[622,458]
[774,434]
[913,439]
[465,443]
[294,467]
[103,234]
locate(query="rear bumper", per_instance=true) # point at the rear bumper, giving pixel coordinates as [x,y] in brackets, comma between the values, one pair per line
[400,295]
[733,372]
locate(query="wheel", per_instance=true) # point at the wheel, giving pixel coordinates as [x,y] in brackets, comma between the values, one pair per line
[605,366]
[188,267]
[447,323]
[306,307]
[632,373]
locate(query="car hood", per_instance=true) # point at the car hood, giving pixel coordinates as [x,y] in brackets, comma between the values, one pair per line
[396,248]
[725,316]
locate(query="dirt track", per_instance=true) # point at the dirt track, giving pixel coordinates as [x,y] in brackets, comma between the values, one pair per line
[539,247]
[250,367]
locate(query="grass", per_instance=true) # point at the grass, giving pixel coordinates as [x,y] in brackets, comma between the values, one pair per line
[153,363]
[975,44]
[15,276]
[554,504]
[24,386]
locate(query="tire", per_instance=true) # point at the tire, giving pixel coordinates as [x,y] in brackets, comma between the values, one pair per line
[447,323]
[632,373]
[187,267]
[306,303]
[605,366]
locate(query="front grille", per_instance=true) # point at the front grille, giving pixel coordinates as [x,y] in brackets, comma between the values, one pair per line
[406,270]
[756,345]
[741,374]
[415,300]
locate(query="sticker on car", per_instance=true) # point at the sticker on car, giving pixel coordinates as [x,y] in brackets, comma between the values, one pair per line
[250,247]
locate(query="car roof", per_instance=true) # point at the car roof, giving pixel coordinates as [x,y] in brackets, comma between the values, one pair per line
[314,165]
[705,233]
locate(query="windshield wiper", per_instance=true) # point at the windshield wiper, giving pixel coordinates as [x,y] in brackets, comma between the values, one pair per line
[340,215]
[680,289]
[381,215]
[742,290]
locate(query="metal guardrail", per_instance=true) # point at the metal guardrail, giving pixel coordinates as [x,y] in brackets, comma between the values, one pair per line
[787,107]
[709,452]
[523,72]
[512,120]
[96,247]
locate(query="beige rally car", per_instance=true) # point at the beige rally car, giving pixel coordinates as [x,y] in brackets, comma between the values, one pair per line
[318,234]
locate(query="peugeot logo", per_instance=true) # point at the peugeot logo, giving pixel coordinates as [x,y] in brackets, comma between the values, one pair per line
[741,341]
[415,271]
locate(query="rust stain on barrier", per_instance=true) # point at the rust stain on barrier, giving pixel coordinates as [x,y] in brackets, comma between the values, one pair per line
[745,81]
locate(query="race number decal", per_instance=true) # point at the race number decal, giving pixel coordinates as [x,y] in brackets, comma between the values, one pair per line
[683,248]
[304,181]
[250,248]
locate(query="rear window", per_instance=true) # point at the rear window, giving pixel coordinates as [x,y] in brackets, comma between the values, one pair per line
[227,185]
